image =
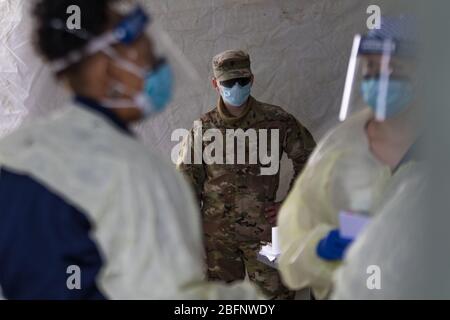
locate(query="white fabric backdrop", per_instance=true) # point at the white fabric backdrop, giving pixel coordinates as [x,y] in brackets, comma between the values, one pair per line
[26,87]
[299,51]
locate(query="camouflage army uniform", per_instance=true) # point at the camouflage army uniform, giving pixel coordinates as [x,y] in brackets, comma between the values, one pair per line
[233,197]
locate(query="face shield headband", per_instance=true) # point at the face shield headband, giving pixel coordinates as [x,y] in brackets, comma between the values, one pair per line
[126,32]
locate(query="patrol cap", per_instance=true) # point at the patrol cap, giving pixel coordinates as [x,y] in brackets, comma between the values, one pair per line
[231,64]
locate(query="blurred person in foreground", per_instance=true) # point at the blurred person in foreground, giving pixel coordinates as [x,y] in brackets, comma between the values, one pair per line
[349,174]
[86,211]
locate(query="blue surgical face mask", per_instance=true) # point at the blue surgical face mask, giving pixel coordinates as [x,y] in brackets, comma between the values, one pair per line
[236,96]
[158,90]
[399,95]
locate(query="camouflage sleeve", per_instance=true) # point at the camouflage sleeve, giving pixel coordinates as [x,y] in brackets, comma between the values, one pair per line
[298,145]
[195,173]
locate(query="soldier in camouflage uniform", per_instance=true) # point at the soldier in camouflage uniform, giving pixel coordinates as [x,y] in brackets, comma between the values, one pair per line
[237,202]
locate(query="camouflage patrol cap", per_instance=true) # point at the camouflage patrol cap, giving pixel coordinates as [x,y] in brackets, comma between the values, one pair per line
[231,64]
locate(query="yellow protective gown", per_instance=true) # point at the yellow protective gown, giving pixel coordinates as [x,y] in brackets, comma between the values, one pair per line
[390,259]
[342,174]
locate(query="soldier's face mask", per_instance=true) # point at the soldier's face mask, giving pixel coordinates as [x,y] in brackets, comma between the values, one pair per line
[235,92]
[236,96]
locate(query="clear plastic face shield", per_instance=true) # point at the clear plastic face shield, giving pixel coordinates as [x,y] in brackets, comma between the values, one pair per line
[150,55]
[377,78]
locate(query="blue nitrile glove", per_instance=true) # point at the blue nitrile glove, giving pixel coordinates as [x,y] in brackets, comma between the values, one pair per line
[332,247]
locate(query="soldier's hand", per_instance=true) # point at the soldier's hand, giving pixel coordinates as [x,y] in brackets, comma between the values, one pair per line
[272,213]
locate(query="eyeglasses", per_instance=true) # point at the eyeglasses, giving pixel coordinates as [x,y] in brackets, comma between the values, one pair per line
[232,82]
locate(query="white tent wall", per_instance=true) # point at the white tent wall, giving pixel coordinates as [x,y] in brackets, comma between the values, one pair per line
[27,89]
[299,51]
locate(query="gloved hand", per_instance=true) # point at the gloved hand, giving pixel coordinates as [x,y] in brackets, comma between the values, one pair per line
[332,247]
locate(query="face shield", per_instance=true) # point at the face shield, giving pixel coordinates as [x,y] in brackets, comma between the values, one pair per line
[378,77]
[165,69]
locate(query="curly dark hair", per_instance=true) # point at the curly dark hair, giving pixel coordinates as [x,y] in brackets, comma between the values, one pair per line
[52,38]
